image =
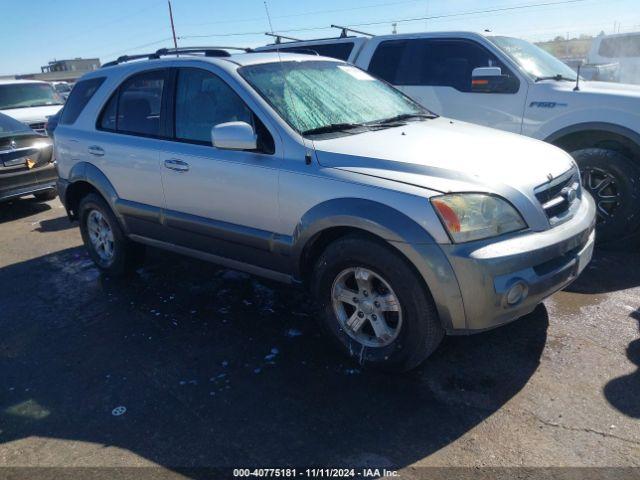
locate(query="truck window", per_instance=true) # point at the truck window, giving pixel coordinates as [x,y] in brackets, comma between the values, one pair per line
[341,50]
[432,62]
[620,47]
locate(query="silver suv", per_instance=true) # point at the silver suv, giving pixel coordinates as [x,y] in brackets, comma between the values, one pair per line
[304,169]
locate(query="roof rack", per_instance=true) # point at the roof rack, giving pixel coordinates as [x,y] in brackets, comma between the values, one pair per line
[280,37]
[207,51]
[345,30]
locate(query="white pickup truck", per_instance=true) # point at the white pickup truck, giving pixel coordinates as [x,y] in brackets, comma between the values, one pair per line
[513,85]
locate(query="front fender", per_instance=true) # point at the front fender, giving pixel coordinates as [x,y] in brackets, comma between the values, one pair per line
[401,233]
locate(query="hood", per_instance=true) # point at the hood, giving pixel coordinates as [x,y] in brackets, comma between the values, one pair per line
[32,114]
[447,156]
[610,88]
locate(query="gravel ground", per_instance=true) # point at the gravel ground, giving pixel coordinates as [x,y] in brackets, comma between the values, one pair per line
[217,368]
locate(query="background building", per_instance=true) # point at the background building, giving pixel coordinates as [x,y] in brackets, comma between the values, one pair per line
[64,70]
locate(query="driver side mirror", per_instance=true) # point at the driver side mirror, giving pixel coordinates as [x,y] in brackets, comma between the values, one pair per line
[234,136]
[491,80]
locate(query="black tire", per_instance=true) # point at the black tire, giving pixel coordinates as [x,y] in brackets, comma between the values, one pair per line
[46,195]
[127,255]
[619,215]
[420,332]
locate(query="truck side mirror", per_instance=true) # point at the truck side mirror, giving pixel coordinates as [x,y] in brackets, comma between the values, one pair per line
[491,80]
[234,136]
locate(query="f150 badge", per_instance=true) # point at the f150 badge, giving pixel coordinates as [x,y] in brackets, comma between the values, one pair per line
[547,104]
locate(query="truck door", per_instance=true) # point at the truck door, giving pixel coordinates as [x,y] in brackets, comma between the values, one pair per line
[437,73]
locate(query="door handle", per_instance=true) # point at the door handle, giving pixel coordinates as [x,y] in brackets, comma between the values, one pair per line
[96,150]
[177,165]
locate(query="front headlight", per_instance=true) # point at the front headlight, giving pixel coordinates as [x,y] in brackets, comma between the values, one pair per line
[474,216]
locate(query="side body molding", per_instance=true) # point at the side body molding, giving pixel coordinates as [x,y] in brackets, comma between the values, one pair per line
[401,232]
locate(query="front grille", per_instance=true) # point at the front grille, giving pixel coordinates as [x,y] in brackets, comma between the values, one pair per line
[38,127]
[557,196]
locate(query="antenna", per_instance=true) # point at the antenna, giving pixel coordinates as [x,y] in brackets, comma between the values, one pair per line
[346,30]
[280,37]
[307,155]
[173,28]
[577,87]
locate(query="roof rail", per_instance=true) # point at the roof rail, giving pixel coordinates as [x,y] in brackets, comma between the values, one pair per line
[214,51]
[280,37]
[345,30]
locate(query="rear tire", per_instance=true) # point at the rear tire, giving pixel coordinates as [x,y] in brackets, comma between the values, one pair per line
[46,195]
[613,181]
[407,335]
[105,241]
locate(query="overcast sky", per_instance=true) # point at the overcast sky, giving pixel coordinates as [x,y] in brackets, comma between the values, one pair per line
[37,31]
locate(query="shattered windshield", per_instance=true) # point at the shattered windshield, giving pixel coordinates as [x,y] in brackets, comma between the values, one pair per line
[321,96]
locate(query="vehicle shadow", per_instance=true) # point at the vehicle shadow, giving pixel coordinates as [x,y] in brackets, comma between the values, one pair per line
[609,271]
[55,225]
[624,392]
[21,208]
[217,368]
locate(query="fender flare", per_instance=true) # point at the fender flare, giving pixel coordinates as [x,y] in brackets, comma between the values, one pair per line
[89,173]
[600,126]
[401,232]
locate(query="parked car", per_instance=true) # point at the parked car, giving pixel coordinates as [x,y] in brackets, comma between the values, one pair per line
[513,85]
[404,225]
[26,166]
[29,101]
[622,49]
[62,88]
[52,122]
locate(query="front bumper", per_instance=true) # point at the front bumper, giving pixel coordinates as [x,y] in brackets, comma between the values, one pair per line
[20,183]
[541,263]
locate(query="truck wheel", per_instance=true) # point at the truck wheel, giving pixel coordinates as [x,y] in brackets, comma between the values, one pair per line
[107,245]
[46,195]
[375,305]
[613,181]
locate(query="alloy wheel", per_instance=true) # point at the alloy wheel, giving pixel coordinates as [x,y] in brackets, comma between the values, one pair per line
[100,235]
[604,189]
[366,306]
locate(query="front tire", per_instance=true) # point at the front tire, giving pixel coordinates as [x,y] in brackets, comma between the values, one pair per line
[613,180]
[105,241]
[374,305]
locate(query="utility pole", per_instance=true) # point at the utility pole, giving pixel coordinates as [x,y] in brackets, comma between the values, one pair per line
[173,28]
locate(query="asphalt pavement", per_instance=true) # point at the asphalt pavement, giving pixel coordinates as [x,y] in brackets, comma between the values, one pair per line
[187,365]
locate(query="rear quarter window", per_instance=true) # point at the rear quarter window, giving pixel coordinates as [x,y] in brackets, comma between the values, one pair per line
[80,95]
[620,47]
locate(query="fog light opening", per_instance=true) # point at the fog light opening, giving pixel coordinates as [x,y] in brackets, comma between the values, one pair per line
[516,294]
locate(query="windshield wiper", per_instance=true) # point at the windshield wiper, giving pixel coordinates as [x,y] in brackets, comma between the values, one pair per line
[402,117]
[333,127]
[559,77]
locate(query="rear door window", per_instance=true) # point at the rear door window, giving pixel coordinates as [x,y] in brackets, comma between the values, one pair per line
[386,60]
[80,95]
[136,106]
[341,50]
